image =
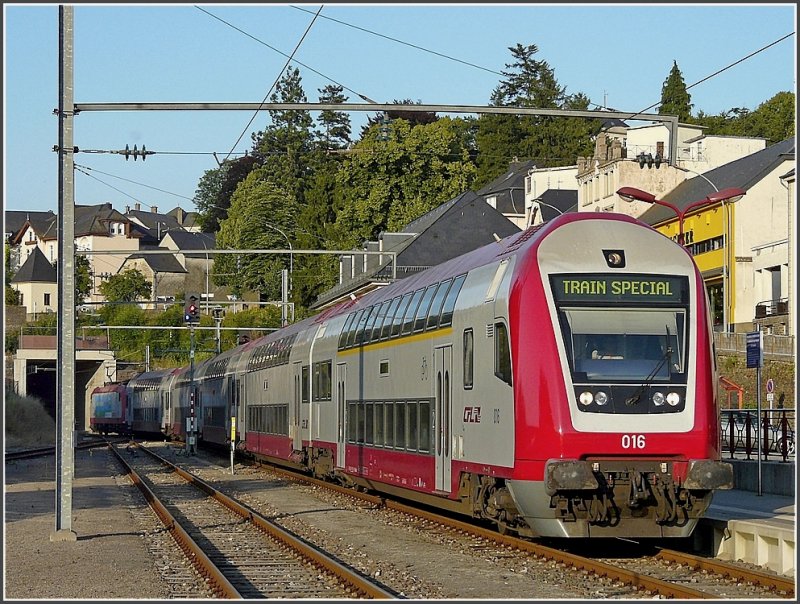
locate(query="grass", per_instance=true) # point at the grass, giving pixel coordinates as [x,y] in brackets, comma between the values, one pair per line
[28,424]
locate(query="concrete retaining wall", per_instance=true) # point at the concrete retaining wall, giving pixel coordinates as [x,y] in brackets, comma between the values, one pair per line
[777,477]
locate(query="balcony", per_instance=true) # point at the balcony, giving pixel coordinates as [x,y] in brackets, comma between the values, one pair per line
[770,308]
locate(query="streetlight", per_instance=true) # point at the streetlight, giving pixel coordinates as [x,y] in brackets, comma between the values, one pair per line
[632,194]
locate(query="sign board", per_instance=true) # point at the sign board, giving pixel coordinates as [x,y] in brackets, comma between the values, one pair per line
[754,348]
[770,397]
[770,386]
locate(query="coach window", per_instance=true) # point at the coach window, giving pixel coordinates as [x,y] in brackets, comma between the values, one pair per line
[381,320]
[450,301]
[368,423]
[469,353]
[352,422]
[362,325]
[413,427]
[386,330]
[422,311]
[502,353]
[389,432]
[400,425]
[436,305]
[304,387]
[408,320]
[425,422]
[343,333]
[397,322]
[368,328]
[351,335]
[378,424]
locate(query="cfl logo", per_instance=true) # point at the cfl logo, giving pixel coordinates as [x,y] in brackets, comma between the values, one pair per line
[472,415]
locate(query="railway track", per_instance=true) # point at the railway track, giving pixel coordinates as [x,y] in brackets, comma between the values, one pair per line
[239,553]
[85,443]
[668,573]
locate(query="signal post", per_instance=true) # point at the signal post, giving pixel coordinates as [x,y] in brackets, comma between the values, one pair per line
[191,315]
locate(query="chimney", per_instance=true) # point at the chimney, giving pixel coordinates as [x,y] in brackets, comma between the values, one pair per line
[137,206]
[127,209]
[154,209]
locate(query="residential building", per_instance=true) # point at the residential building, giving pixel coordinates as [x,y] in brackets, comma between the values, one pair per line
[37,284]
[36,230]
[742,246]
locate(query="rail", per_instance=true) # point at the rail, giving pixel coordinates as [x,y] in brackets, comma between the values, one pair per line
[740,428]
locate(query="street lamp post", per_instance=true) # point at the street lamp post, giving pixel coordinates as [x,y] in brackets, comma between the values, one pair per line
[291,249]
[633,194]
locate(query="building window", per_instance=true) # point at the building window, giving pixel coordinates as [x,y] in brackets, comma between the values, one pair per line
[47,299]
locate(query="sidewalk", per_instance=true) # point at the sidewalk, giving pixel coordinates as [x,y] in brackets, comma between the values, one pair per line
[735,504]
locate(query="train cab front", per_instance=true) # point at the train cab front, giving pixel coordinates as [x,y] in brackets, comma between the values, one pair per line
[634,421]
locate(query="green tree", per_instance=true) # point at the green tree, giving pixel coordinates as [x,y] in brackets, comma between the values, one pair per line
[259,211]
[282,147]
[83,278]
[214,191]
[127,286]
[334,126]
[12,295]
[549,140]
[774,119]
[675,99]
[385,184]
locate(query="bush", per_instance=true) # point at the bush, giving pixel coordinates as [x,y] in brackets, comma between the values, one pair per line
[28,424]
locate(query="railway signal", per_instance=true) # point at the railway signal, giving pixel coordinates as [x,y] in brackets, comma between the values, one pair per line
[191,312]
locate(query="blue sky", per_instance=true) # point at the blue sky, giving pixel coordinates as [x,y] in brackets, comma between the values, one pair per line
[618,55]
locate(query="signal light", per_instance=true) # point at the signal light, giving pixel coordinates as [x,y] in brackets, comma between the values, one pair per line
[191,312]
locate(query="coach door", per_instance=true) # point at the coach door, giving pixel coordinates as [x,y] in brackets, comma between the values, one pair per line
[341,414]
[443,361]
[294,426]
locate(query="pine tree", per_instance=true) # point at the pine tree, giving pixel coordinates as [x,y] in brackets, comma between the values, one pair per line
[549,140]
[675,99]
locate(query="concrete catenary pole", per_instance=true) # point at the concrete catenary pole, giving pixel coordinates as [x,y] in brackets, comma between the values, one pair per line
[65,380]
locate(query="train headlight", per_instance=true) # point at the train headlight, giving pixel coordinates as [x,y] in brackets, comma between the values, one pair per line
[601,398]
[674,399]
[586,398]
[659,399]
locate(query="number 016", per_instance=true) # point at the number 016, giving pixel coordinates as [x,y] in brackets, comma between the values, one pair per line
[633,441]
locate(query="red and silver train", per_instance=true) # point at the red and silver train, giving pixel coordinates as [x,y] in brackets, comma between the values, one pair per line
[560,382]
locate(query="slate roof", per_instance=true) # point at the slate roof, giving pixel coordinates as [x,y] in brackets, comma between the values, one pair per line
[190,240]
[184,218]
[153,226]
[742,173]
[160,263]
[455,227]
[36,268]
[94,219]
[44,224]
[562,199]
[509,188]
[16,219]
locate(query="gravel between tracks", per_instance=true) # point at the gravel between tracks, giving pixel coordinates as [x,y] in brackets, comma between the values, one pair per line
[112,555]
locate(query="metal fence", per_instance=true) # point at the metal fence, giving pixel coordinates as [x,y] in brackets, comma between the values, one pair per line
[741,428]
[775,347]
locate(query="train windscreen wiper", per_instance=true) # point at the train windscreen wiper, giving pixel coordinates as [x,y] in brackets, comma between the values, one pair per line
[634,398]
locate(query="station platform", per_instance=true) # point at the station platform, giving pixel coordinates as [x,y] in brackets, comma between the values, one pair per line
[758,529]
